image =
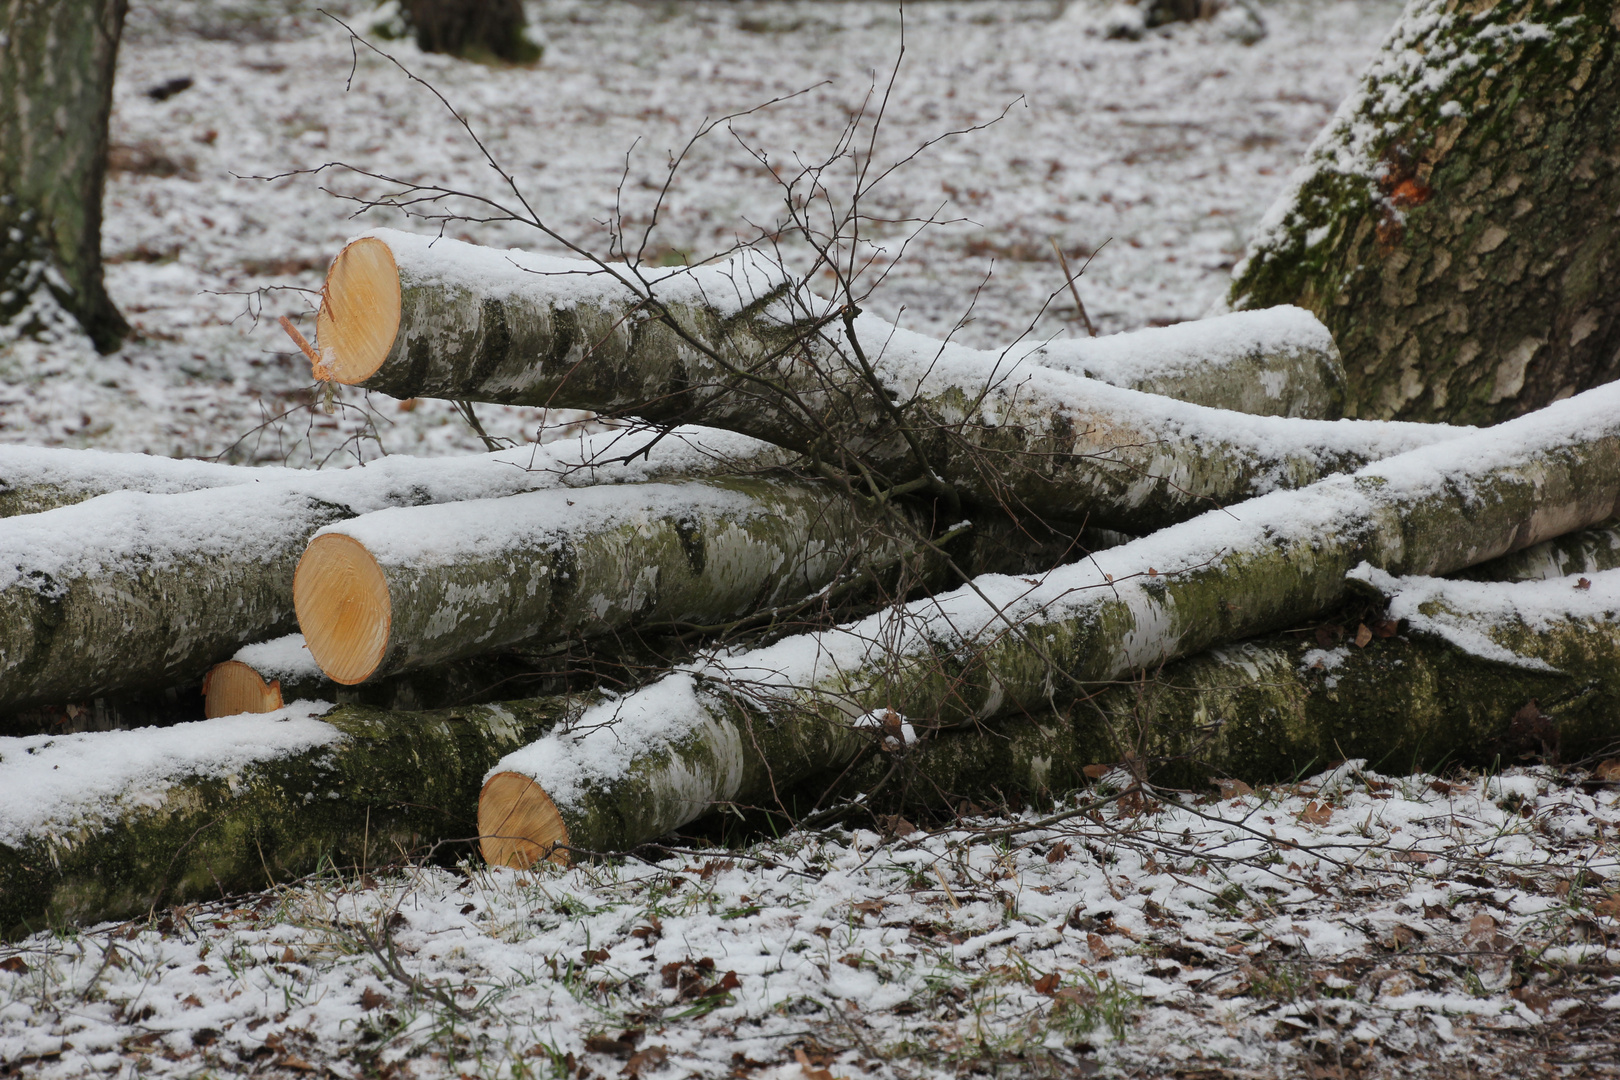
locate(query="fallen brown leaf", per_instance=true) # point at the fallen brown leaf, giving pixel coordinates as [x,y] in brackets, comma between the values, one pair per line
[1099,948]
[371,999]
[1047,984]
[1363,636]
[1316,814]
[1232,789]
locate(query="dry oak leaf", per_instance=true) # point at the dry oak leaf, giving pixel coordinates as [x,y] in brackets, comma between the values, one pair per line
[804,1064]
[370,999]
[1059,852]
[1099,948]
[14,964]
[1096,772]
[1481,931]
[1232,789]
[1316,814]
[1608,771]
[1363,636]
[644,1059]
[1609,905]
[1047,984]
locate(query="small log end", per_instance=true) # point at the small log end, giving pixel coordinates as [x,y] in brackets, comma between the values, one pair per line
[341,597]
[233,687]
[518,824]
[359,315]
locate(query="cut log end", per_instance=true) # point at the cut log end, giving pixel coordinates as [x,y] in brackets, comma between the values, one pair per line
[518,824]
[341,597]
[234,687]
[359,315]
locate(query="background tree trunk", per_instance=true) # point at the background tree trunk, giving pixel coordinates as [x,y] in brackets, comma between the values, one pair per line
[472,29]
[56,76]
[1454,225]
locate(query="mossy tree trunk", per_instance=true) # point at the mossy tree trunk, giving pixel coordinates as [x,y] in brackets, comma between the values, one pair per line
[56,74]
[1455,226]
[365,788]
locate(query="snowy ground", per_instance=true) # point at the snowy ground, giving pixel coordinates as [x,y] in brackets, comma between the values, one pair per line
[1353,925]
[1350,925]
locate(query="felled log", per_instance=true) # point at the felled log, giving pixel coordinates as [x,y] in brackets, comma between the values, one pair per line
[403,589]
[270,675]
[741,346]
[1585,551]
[131,591]
[1267,710]
[112,824]
[36,478]
[737,727]
[1276,362]
[1442,225]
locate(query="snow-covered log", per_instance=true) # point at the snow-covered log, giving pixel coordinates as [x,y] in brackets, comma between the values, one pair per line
[743,347]
[1276,362]
[270,675]
[737,727]
[36,478]
[406,588]
[1266,710]
[128,591]
[1585,551]
[110,824]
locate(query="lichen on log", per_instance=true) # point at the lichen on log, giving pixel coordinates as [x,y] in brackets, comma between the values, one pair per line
[742,346]
[1453,225]
[737,727]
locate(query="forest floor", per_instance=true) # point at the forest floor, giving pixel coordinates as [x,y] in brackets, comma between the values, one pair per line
[1352,924]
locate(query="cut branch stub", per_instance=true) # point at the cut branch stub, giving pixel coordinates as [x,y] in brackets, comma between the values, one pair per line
[341,596]
[359,315]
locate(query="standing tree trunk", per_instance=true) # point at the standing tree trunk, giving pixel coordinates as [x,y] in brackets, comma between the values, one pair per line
[56,76]
[473,29]
[1455,226]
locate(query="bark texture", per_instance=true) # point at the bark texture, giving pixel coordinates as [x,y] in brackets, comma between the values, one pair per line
[1454,226]
[133,592]
[757,721]
[552,566]
[56,75]
[740,348]
[1268,710]
[385,783]
[1586,551]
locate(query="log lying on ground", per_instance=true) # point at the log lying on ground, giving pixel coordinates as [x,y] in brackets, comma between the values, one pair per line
[1276,362]
[36,478]
[1566,624]
[273,674]
[403,589]
[1267,710]
[738,727]
[112,824]
[748,350]
[131,591]
[1586,551]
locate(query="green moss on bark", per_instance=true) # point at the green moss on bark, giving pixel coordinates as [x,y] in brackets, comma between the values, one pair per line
[391,784]
[1454,225]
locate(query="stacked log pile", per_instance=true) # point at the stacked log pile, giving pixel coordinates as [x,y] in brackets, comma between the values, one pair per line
[825,562]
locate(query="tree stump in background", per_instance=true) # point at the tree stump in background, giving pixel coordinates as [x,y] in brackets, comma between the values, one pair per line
[472,29]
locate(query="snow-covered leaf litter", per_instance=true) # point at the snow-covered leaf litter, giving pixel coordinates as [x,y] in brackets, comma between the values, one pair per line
[1349,916]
